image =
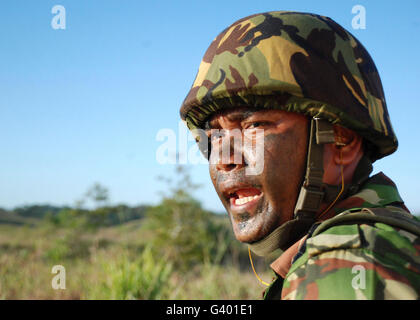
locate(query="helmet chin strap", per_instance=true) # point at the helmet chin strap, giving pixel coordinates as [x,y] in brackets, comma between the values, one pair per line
[312,193]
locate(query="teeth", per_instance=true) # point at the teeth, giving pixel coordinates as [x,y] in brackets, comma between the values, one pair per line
[243,200]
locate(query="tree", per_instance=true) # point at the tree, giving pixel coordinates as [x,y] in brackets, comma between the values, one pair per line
[185,232]
[98,194]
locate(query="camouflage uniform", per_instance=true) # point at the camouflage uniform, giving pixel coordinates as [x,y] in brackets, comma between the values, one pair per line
[327,264]
[306,63]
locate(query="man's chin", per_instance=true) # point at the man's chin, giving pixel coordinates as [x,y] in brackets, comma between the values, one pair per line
[248,232]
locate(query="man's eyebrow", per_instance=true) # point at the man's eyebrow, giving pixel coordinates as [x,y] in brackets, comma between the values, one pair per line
[232,116]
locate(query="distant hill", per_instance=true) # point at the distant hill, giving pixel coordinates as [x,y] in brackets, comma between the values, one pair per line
[28,214]
[7,217]
[33,214]
[38,211]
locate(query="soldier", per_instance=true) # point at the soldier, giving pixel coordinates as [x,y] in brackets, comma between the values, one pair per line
[313,89]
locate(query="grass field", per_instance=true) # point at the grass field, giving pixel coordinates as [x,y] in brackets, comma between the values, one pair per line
[112,263]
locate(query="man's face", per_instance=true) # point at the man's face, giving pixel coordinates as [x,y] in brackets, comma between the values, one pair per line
[257,204]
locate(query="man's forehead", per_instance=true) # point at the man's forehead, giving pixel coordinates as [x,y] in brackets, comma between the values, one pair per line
[231,114]
[238,114]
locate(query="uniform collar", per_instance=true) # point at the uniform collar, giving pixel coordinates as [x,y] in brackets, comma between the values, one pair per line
[378,191]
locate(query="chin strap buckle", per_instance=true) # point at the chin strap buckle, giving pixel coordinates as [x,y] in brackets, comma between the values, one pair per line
[308,202]
[311,193]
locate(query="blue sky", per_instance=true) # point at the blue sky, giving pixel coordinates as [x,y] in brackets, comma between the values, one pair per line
[84,104]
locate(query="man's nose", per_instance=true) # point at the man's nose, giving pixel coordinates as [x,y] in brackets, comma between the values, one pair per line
[230,153]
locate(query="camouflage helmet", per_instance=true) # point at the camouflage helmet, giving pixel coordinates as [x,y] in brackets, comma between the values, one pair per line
[297,62]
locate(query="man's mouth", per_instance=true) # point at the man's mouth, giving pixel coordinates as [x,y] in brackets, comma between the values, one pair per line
[244,198]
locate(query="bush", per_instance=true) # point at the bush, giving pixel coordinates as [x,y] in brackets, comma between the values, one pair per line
[72,246]
[144,277]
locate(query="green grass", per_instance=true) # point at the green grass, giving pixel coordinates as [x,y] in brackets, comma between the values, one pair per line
[110,263]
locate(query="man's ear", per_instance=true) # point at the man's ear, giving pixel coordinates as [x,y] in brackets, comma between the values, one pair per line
[348,146]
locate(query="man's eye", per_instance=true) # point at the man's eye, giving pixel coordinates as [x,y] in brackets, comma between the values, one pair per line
[257,124]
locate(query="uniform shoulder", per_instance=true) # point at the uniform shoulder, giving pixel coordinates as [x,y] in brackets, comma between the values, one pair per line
[375,229]
[390,215]
[388,255]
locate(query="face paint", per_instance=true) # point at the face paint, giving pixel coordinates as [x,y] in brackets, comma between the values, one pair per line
[259,203]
